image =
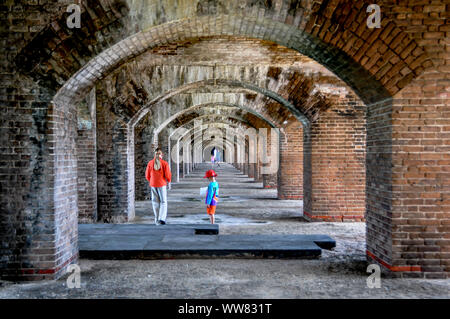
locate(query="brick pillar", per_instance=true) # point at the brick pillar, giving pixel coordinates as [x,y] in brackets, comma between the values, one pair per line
[408,188]
[258,176]
[38,201]
[337,164]
[86,150]
[290,172]
[241,157]
[175,166]
[87,175]
[269,180]
[251,170]
[163,144]
[245,164]
[255,170]
[112,165]
[144,152]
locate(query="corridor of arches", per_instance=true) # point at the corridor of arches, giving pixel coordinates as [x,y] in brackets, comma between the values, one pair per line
[243,202]
[321,119]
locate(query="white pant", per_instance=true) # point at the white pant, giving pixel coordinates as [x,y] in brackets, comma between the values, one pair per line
[159,203]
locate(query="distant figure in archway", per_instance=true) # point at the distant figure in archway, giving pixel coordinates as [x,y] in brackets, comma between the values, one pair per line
[158,175]
[213,156]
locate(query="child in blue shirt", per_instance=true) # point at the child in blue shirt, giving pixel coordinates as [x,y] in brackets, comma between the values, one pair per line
[211,195]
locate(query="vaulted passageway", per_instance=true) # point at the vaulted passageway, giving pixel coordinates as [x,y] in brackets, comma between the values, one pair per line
[243,201]
[364,108]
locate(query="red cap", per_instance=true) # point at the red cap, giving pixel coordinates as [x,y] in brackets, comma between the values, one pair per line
[210,173]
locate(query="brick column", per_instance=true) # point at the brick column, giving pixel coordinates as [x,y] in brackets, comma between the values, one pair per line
[245,164]
[290,172]
[163,144]
[86,148]
[336,167]
[408,188]
[113,165]
[269,180]
[38,202]
[251,170]
[144,152]
[175,166]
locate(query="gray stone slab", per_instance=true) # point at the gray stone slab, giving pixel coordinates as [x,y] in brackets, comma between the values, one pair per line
[126,246]
[189,239]
[146,229]
[323,241]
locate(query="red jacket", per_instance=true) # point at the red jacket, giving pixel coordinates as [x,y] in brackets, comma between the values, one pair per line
[158,178]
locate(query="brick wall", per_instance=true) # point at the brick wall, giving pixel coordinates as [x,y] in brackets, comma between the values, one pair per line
[337,146]
[290,172]
[408,230]
[269,180]
[112,163]
[86,150]
[38,227]
[143,154]
[38,196]
[87,176]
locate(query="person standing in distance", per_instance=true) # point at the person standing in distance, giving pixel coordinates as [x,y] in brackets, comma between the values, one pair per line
[158,175]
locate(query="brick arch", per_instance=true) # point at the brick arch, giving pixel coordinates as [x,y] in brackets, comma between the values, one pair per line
[220,82]
[218,118]
[173,92]
[246,148]
[325,37]
[232,144]
[233,122]
[177,142]
[195,107]
[236,126]
[140,83]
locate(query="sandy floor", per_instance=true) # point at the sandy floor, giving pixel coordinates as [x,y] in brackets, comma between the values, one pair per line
[340,273]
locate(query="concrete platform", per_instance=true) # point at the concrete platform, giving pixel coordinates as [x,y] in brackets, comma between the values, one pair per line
[147,229]
[140,241]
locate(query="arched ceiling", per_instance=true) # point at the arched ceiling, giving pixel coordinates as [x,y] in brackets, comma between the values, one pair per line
[278,84]
[138,51]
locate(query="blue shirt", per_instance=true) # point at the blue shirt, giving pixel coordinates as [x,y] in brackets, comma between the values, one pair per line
[212,187]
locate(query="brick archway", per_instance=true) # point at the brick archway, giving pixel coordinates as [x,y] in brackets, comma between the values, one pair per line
[194,107]
[390,71]
[129,178]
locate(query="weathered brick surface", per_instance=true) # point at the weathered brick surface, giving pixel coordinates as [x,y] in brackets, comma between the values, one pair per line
[112,164]
[86,148]
[143,154]
[269,180]
[415,215]
[337,163]
[290,172]
[87,176]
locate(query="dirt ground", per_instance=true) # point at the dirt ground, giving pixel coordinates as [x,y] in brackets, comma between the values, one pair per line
[340,273]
